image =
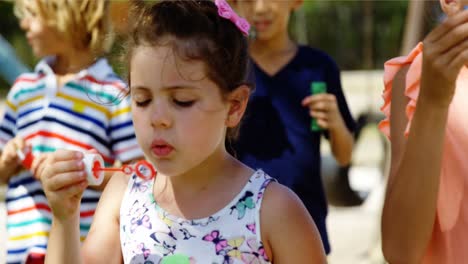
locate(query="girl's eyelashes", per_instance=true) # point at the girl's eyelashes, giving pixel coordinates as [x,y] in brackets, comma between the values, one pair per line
[183,103]
[143,99]
[142,103]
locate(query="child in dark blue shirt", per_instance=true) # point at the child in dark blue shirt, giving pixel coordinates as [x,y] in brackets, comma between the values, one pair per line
[276,132]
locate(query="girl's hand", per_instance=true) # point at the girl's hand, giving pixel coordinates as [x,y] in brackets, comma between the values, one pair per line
[445,53]
[9,161]
[64,181]
[324,108]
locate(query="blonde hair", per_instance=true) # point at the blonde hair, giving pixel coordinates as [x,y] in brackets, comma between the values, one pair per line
[85,23]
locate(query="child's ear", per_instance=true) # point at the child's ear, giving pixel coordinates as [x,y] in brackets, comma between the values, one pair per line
[237,100]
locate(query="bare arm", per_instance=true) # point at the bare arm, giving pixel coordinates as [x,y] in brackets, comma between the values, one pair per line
[324,108]
[287,228]
[102,245]
[410,204]
[64,181]
[341,141]
[64,244]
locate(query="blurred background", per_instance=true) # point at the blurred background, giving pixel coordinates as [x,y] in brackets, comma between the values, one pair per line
[360,36]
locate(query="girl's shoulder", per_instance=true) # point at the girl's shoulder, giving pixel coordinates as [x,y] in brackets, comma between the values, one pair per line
[277,198]
[287,227]
[104,231]
[279,202]
[117,185]
[114,189]
[112,196]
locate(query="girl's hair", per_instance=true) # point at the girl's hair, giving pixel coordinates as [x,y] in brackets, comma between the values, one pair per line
[85,23]
[195,31]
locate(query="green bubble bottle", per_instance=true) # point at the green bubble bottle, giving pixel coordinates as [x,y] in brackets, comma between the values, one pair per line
[317,88]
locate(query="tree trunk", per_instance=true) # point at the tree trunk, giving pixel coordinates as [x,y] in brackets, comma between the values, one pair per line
[414,25]
[301,28]
[368,34]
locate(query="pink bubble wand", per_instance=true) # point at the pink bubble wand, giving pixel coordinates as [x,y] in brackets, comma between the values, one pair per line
[142,169]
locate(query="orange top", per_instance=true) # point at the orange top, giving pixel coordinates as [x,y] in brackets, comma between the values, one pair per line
[449,242]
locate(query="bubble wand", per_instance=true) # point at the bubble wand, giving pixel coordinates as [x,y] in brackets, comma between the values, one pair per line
[94,167]
[142,169]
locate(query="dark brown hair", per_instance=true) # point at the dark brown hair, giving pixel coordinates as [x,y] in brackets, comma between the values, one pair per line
[197,33]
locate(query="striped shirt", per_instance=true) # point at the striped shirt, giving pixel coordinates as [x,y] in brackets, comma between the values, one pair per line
[89,111]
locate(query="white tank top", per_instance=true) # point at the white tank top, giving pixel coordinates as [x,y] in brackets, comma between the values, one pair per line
[148,234]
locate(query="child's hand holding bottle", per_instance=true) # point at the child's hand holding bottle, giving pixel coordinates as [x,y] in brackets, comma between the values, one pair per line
[323,108]
[64,180]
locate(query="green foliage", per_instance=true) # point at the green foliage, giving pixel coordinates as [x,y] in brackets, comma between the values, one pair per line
[117,57]
[9,21]
[337,27]
[11,31]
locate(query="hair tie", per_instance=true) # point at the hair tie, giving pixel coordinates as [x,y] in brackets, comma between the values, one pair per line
[225,11]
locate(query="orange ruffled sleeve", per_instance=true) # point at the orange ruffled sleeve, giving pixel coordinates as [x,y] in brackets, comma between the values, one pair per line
[391,68]
[451,186]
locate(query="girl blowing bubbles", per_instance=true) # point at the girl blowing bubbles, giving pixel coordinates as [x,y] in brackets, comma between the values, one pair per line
[187,71]
[425,216]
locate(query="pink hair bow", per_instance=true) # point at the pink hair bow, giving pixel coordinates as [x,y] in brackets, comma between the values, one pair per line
[224,10]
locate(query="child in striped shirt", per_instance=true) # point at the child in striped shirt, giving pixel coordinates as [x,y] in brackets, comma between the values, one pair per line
[72,100]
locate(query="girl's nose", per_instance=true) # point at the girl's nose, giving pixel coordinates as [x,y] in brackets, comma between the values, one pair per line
[160,116]
[260,6]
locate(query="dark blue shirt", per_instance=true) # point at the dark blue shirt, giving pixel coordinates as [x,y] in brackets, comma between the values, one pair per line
[275,134]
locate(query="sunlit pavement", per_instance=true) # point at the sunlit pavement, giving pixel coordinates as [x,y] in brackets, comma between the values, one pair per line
[354,231]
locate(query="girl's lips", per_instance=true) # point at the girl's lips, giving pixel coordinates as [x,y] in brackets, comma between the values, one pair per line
[161,148]
[162,151]
[262,25]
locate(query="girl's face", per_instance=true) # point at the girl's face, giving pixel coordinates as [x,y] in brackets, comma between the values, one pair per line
[179,114]
[44,39]
[269,18]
